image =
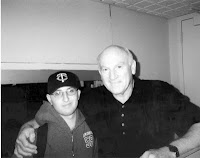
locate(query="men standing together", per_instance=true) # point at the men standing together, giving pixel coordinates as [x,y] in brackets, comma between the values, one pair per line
[132,117]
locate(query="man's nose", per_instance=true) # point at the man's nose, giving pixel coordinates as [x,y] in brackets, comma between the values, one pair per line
[65,96]
[112,75]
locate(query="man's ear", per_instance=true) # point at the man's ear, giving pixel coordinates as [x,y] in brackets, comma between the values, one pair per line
[79,93]
[99,70]
[133,67]
[49,98]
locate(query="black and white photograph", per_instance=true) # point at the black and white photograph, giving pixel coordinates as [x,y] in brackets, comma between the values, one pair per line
[100,79]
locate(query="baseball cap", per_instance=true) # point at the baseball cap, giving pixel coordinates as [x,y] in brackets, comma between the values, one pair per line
[61,79]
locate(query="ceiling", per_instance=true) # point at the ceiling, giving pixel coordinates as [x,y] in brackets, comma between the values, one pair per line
[163,8]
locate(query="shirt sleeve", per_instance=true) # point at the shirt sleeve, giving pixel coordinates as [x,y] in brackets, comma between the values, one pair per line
[41,113]
[190,114]
[182,112]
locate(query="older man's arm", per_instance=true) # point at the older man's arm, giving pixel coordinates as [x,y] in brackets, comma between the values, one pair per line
[190,140]
[184,144]
[24,144]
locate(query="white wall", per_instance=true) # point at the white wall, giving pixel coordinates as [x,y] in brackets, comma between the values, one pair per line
[147,37]
[46,35]
[41,76]
[52,34]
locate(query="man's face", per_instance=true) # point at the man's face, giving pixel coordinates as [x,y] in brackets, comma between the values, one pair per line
[116,72]
[65,100]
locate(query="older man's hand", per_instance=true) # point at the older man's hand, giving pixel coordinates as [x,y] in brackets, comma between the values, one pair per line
[24,144]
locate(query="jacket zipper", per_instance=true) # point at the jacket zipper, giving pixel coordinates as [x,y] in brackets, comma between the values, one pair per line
[73,146]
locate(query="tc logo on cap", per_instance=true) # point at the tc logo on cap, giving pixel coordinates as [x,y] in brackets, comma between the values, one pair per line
[62,77]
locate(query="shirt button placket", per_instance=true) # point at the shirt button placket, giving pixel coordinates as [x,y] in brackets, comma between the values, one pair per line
[122,115]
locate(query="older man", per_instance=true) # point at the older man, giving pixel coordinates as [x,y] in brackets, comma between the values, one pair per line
[132,117]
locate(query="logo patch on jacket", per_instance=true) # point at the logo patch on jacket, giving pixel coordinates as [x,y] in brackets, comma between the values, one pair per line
[89,139]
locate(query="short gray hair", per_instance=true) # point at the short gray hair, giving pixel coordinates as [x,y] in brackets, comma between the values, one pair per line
[122,49]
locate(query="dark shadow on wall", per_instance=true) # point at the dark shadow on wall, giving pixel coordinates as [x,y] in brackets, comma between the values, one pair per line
[19,104]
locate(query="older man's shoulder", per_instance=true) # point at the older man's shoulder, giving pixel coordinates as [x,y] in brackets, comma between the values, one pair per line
[154,85]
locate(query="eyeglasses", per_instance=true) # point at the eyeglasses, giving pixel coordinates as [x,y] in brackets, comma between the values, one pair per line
[69,92]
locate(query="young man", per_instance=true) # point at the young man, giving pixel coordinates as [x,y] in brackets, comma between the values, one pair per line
[131,116]
[68,133]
